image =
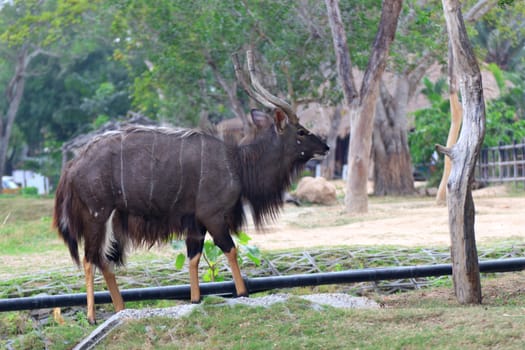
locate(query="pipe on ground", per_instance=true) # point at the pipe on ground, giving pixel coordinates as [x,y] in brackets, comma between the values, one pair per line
[259,284]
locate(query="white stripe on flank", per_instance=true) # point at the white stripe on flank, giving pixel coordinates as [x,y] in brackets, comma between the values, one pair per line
[109,238]
[228,167]
[122,170]
[202,162]
[181,177]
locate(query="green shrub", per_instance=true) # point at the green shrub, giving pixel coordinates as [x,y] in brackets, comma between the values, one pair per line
[503,126]
[30,191]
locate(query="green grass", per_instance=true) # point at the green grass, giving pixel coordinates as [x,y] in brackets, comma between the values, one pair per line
[16,209]
[21,331]
[295,325]
[26,234]
[25,226]
[421,319]
[29,237]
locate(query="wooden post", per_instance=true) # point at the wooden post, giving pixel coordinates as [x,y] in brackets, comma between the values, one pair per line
[465,267]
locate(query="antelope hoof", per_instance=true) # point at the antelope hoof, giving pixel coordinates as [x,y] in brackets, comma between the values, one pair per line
[244,294]
[197,301]
[119,308]
[92,321]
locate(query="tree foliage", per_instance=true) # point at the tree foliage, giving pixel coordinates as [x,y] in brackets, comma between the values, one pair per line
[188,44]
[503,124]
[98,59]
[500,36]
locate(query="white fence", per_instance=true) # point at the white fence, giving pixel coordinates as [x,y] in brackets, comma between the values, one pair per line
[28,178]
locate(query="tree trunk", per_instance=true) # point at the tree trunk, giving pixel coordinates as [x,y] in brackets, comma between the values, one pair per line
[362,123]
[14,93]
[391,154]
[456,115]
[328,164]
[465,267]
[342,53]
[406,86]
[361,110]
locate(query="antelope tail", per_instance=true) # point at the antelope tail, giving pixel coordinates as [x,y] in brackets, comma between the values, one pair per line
[62,216]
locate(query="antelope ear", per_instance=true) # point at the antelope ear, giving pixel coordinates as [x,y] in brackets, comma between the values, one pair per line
[281,119]
[260,119]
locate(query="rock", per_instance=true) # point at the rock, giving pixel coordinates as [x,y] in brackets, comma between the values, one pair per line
[316,190]
[432,191]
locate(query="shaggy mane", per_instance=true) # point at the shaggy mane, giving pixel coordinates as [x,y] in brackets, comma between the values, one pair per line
[265,195]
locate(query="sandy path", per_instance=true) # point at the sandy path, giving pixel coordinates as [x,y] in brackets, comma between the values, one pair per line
[401,222]
[416,222]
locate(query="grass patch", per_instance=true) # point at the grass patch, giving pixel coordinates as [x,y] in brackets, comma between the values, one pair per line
[515,189]
[16,209]
[25,226]
[20,331]
[419,319]
[35,236]
[296,325]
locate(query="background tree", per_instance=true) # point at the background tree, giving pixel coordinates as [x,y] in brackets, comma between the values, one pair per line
[30,30]
[172,62]
[188,47]
[502,126]
[419,45]
[362,105]
[465,267]
[415,49]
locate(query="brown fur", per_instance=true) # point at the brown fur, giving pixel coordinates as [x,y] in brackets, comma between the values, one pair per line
[144,186]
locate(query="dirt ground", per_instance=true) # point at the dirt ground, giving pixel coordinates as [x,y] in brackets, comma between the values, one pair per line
[414,221]
[409,221]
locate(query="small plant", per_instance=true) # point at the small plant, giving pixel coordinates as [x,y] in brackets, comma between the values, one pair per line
[29,191]
[211,254]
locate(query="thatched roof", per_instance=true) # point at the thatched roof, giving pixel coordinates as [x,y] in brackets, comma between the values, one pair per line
[313,116]
[316,117]
[434,73]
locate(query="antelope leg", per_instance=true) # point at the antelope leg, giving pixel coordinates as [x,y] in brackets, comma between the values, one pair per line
[240,287]
[111,282]
[222,239]
[90,292]
[194,245]
[194,279]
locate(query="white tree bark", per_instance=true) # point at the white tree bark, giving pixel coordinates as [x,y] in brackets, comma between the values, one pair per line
[463,156]
[362,108]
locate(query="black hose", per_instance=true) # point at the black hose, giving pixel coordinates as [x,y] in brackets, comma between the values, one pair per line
[259,284]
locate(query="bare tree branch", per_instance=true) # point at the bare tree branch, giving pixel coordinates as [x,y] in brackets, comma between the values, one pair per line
[479,10]
[231,91]
[344,64]
[417,73]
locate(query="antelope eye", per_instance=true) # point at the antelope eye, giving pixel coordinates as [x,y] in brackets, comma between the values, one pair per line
[301,132]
